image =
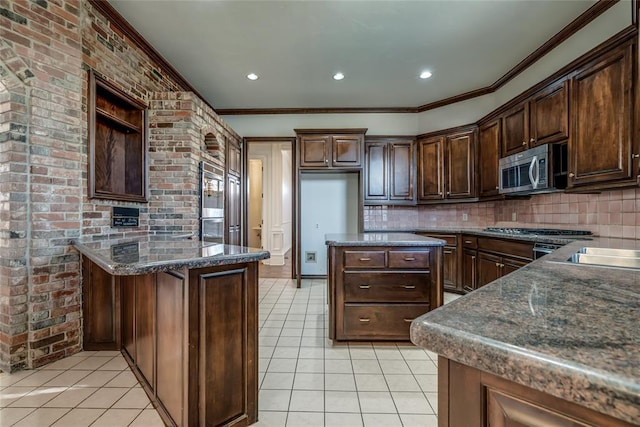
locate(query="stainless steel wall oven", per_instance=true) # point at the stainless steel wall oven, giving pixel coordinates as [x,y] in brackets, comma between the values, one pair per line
[211,203]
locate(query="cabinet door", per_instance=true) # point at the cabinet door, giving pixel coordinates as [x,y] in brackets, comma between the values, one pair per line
[549,115]
[127,305]
[376,187]
[600,144]
[401,171]
[145,326]
[489,153]
[469,270]
[514,130]
[430,163]
[100,308]
[315,150]
[488,268]
[509,265]
[346,150]
[234,159]
[234,211]
[450,277]
[460,157]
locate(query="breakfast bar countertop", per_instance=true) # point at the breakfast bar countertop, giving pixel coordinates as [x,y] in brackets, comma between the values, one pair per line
[381,239]
[569,330]
[150,253]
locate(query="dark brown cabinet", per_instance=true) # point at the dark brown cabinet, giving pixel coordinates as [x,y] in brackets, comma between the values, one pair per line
[497,258]
[600,147]
[337,148]
[542,119]
[101,314]
[489,140]
[234,158]
[450,255]
[117,143]
[233,200]
[446,166]
[469,263]
[389,172]
[375,292]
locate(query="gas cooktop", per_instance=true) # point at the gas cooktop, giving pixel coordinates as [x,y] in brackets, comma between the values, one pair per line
[538,231]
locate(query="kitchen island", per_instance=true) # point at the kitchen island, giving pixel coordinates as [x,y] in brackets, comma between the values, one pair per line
[184,313]
[379,282]
[554,343]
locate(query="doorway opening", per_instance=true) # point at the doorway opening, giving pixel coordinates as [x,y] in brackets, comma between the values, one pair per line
[270,213]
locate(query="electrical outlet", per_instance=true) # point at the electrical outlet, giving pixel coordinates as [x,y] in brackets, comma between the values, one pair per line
[514,216]
[465,217]
[309,256]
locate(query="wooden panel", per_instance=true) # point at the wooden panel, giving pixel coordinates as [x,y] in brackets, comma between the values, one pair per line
[409,259]
[364,259]
[128,301]
[600,145]
[430,164]
[401,171]
[233,211]
[386,286]
[514,130]
[488,268]
[223,325]
[171,384]
[460,155]
[346,150]
[469,269]
[371,321]
[234,158]
[314,150]
[101,308]
[489,140]
[470,242]
[376,185]
[465,396]
[512,248]
[549,115]
[450,272]
[145,326]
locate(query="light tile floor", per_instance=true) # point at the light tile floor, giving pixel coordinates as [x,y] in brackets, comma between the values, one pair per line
[305,379]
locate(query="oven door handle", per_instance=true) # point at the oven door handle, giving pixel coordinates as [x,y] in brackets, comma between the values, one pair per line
[534,165]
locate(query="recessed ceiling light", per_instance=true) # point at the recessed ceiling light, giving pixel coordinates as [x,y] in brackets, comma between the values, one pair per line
[425,74]
[252,76]
[338,76]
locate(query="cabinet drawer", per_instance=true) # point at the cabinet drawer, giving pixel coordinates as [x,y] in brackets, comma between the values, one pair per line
[470,242]
[409,259]
[513,248]
[370,321]
[386,287]
[364,259]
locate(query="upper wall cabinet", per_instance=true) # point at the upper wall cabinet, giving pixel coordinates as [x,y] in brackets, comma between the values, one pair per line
[117,144]
[541,119]
[600,147]
[326,148]
[489,140]
[446,166]
[389,171]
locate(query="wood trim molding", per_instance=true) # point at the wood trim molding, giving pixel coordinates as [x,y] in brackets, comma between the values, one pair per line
[330,131]
[569,30]
[114,17]
[449,131]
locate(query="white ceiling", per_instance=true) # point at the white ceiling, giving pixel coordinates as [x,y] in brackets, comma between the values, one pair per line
[381,47]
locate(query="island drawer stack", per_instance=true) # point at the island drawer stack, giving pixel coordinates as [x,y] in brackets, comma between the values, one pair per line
[376,292]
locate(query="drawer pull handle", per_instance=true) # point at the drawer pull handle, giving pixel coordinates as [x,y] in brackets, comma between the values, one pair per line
[468,242]
[408,320]
[409,258]
[365,319]
[365,286]
[365,259]
[409,287]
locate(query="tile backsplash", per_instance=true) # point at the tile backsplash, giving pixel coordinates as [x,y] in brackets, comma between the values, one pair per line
[612,213]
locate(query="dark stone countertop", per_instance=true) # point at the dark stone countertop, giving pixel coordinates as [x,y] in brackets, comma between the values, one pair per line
[151,253]
[569,330]
[381,239]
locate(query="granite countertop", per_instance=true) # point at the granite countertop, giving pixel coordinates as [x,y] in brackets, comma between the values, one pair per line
[381,239]
[151,253]
[569,330]
[540,238]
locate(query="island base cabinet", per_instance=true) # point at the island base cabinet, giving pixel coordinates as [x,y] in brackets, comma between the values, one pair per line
[468,397]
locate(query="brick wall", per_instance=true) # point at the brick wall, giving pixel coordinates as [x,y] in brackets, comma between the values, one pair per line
[46,49]
[613,213]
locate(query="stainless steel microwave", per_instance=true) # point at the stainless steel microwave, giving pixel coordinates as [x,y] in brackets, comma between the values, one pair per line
[527,172]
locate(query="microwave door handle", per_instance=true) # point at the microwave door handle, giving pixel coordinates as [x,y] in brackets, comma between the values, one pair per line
[532,166]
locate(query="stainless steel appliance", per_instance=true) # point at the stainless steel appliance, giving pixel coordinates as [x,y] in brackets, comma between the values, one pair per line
[541,249]
[211,203]
[537,170]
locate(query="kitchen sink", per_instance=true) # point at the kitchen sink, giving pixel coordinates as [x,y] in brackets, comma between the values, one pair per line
[622,258]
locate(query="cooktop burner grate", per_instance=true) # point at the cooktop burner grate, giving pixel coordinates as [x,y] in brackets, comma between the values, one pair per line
[539,231]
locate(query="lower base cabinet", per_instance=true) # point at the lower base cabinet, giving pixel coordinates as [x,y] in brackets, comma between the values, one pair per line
[468,397]
[190,336]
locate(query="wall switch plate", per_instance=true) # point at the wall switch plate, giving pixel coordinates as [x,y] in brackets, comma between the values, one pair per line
[309,256]
[514,216]
[465,217]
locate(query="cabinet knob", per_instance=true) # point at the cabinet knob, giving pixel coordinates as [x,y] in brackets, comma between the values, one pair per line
[532,140]
[409,287]
[524,143]
[409,258]
[448,193]
[635,156]
[365,259]
[408,320]
[365,319]
[497,264]
[365,286]
[571,174]
[326,160]
[497,188]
